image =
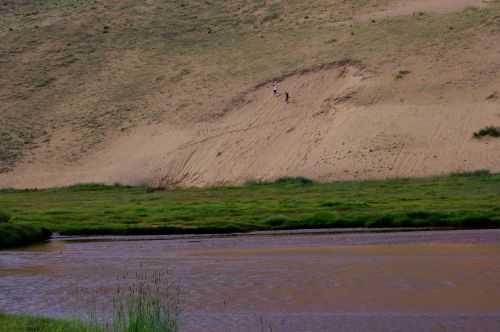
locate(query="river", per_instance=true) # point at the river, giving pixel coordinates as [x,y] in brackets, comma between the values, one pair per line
[370,282]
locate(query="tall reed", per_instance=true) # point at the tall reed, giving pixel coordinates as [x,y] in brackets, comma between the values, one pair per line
[149,304]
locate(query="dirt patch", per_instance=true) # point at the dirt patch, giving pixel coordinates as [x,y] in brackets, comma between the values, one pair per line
[421,7]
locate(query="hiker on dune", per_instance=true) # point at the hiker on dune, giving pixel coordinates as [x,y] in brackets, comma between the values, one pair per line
[275,88]
[287,97]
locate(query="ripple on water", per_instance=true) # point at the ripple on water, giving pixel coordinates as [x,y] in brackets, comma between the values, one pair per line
[422,281]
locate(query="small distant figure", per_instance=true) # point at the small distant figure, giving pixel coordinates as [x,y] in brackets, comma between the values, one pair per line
[287,97]
[275,88]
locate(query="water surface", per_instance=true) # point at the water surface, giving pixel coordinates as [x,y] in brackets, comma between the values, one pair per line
[418,281]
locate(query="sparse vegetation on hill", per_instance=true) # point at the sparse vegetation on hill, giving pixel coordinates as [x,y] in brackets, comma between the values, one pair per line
[490,131]
[470,200]
[94,65]
[78,74]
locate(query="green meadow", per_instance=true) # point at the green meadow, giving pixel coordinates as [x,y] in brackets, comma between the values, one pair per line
[461,201]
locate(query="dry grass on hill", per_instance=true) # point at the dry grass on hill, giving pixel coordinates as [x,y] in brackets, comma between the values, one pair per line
[125,90]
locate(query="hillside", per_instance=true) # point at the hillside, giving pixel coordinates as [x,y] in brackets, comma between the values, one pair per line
[180,92]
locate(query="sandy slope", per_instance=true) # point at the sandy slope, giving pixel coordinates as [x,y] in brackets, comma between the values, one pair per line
[409,7]
[341,123]
[348,120]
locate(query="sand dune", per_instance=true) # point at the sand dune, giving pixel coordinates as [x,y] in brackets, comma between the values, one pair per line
[409,116]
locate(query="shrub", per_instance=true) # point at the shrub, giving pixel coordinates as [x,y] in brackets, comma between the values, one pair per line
[286,180]
[487,131]
[12,235]
[320,219]
[276,221]
[480,172]
[381,221]
[341,206]
[330,204]
[298,180]
[4,217]
[477,221]
[401,74]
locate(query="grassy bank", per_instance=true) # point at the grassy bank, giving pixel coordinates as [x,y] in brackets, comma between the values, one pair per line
[136,321]
[13,235]
[465,200]
[21,323]
[148,304]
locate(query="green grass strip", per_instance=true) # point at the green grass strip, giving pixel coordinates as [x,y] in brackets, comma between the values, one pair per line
[469,200]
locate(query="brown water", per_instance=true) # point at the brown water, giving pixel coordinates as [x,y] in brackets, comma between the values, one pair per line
[422,281]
